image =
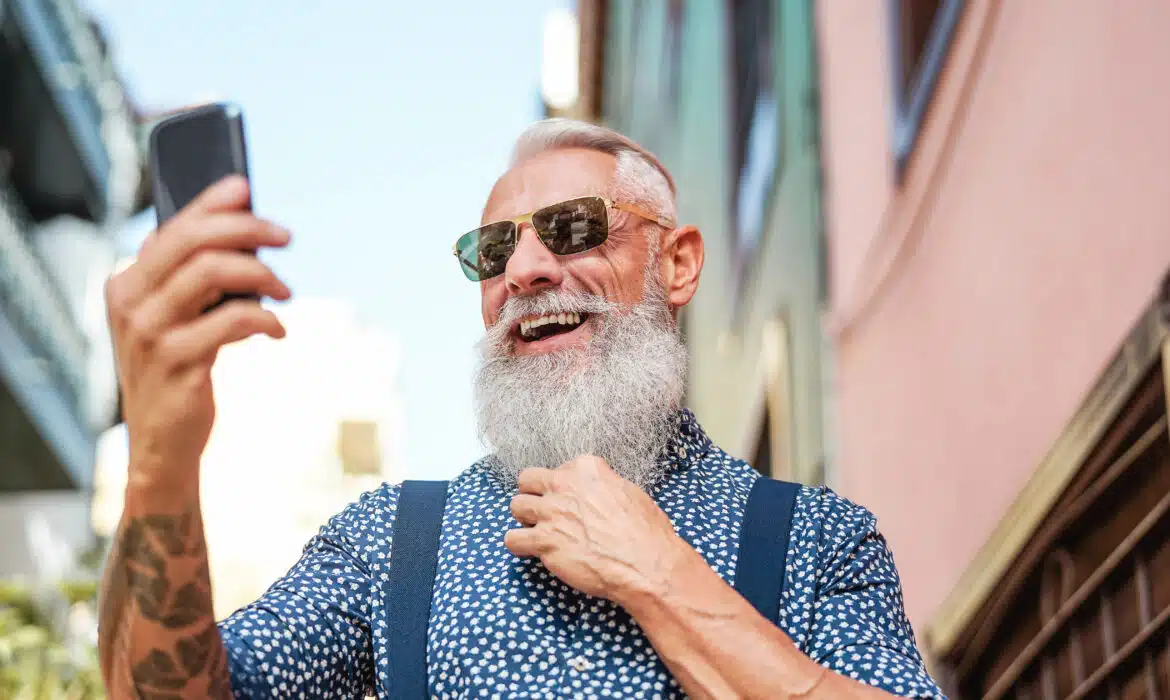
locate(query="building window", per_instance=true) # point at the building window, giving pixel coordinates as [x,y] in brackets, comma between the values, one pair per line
[359,448]
[672,57]
[755,120]
[921,32]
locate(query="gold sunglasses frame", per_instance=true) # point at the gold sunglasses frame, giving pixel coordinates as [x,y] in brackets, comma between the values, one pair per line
[609,203]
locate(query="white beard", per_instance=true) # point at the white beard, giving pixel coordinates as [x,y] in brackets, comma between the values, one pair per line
[617,398]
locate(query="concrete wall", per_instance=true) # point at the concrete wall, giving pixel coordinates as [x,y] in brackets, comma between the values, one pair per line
[975,300]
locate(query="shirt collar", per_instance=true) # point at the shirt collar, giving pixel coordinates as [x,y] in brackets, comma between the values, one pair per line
[688,446]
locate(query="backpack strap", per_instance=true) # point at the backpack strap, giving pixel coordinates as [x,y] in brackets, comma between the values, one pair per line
[763,545]
[414,558]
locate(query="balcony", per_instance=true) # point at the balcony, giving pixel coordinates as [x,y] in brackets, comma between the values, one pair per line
[42,362]
[70,172]
[69,133]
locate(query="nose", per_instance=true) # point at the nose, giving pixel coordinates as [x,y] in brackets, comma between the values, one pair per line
[532,266]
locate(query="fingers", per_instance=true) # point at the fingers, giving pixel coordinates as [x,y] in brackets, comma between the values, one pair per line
[205,280]
[201,339]
[180,238]
[231,193]
[528,509]
[535,481]
[527,542]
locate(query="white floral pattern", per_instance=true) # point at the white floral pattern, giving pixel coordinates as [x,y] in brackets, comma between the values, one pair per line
[501,627]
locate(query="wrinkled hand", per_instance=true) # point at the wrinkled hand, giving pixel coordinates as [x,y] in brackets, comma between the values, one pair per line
[594,530]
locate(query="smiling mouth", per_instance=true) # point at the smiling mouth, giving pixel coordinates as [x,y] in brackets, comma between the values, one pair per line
[548,325]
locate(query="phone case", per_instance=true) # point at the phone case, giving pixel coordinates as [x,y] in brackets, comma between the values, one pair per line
[193,149]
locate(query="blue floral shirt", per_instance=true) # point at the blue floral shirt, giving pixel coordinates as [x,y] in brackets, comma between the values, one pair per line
[503,627]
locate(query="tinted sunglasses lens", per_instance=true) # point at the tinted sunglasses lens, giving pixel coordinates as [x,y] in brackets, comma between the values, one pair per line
[484,252]
[574,226]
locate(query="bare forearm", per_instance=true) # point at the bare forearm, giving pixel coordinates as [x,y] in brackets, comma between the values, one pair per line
[157,633]
[718,646]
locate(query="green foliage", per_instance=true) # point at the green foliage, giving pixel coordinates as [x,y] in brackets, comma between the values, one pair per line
[47,650]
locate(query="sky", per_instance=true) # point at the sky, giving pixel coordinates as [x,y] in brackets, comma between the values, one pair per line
[375,131]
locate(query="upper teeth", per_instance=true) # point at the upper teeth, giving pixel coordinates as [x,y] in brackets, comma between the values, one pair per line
[562,319]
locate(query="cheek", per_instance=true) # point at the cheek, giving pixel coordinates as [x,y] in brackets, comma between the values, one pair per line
[593,275]
[492,297]
[617,278]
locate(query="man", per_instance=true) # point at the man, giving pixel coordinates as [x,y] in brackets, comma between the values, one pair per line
[590,555]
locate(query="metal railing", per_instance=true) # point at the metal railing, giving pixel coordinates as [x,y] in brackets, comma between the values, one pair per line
[34,304]
[1094,621]
[1072,614]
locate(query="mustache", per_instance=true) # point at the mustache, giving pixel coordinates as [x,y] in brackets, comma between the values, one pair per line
[553,302]
[547,302]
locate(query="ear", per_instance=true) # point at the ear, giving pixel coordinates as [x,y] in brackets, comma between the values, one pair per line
[680,263]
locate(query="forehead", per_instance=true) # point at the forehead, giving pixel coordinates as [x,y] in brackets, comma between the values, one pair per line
[547,178]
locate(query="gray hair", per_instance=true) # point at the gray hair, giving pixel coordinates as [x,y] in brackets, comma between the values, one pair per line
[639,178]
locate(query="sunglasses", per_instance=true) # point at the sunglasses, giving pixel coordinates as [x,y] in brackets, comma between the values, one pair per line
[565,228]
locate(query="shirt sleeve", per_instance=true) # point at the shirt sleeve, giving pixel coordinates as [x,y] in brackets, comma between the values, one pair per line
[309,635]
[860,628]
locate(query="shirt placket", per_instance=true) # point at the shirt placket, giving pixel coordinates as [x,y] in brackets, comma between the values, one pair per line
[580,662]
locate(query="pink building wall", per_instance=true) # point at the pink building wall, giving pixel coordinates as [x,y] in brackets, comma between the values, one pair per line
[975,302]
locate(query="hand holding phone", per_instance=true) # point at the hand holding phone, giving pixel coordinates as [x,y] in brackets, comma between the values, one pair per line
[192,150]
[179,303]
[166,341]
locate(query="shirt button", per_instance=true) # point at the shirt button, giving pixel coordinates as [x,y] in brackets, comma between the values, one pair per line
[580,664]
[682,452]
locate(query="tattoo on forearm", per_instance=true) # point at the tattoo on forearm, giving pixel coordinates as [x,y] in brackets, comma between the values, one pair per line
[160,671]
[146,569]
[159,566]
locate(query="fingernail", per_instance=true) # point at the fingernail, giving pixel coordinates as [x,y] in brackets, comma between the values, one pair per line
[234,183]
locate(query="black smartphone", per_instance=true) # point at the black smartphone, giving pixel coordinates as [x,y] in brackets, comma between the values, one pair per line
[190,151]
[193,149]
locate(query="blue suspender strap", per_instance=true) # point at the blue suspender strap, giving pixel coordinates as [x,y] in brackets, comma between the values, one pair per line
[414,557]
[763,545]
